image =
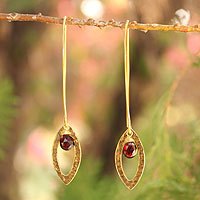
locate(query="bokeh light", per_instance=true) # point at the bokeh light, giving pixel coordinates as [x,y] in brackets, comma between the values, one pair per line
[92,8]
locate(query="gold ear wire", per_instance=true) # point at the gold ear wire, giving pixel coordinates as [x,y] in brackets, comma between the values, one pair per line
[64,66]
[127,74]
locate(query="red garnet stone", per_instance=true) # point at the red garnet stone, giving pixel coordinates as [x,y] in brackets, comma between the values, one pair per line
[66,142]
[130,149]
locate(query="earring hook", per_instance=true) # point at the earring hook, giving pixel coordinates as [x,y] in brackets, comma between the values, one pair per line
[64,66]
[127,75]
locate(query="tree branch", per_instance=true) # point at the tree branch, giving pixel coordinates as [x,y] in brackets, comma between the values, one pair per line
[91,22]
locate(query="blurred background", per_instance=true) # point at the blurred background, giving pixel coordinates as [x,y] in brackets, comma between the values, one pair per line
[31,109]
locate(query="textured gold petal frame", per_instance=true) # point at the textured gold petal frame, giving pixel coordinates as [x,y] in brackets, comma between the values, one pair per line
[77,155]
[126,137]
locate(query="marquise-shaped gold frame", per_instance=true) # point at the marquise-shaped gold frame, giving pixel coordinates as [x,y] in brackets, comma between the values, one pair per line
[77,155]
[127,137]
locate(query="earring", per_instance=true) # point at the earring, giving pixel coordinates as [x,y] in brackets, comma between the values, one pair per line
[66,136]
[129,144]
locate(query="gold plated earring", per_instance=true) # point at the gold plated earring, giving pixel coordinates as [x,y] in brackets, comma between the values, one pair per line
[66,136]
[129,144]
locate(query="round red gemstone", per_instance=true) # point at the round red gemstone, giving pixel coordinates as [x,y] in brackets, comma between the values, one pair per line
[130,149]
[66,142]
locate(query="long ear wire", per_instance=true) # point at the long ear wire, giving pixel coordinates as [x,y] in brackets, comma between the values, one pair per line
[127,75]
[64,66]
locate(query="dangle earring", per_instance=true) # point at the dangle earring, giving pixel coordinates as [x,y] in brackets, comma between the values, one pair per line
[129,144]
[66,136]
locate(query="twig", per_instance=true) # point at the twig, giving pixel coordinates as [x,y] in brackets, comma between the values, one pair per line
[101,24]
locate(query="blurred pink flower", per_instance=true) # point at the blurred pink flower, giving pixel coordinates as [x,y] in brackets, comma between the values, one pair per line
[193,43]
[65,7]
[36,146]
[177,57]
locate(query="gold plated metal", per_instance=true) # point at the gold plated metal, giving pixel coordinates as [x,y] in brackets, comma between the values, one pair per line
[77,155]
[126,136]
[129,135]
[66,130]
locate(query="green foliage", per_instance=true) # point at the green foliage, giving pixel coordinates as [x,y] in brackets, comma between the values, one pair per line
[196,63]
[7,112]
[21,5]
[171,169]
[171,162]
[86,186]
